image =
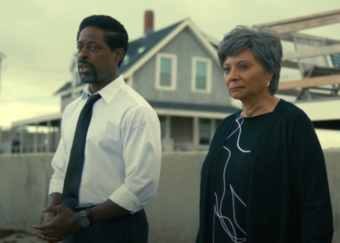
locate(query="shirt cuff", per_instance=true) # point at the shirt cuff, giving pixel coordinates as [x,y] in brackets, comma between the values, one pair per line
[55,187]
[126,199]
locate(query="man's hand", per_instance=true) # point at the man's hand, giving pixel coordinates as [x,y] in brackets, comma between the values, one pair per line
[50,217]
[63,223]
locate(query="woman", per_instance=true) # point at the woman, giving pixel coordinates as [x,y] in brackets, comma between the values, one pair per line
[264,178]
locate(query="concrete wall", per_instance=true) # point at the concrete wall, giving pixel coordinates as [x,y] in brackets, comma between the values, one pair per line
[173,214]
[23,187]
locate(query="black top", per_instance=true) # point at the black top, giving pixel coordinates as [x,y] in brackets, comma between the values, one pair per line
[230,197]
[282,182]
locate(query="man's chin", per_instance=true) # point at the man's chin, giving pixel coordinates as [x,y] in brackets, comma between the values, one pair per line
[88,80]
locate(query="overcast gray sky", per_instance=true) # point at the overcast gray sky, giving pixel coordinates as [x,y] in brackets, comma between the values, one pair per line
[39,37]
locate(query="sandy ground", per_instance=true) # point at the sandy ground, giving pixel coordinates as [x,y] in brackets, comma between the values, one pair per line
[21,238]
[18,237]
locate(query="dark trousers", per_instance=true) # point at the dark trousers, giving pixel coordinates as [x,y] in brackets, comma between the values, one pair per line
[131,228]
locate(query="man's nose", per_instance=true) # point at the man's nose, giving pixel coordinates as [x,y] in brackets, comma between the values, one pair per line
[83,53]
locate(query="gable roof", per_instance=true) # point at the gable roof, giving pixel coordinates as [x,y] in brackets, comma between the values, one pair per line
[143,49]
[138,48]
[212,40]
[167,39]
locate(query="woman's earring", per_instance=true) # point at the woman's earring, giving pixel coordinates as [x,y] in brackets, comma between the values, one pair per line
[268,84]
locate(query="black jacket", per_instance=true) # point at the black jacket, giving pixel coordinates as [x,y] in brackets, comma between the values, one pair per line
[289,200]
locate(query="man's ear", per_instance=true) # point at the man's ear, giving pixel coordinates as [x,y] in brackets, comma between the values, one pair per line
[118,54]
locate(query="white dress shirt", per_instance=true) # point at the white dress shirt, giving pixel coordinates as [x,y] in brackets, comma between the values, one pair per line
[122,153]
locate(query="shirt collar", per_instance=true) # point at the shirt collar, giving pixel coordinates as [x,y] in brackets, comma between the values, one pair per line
[109,91]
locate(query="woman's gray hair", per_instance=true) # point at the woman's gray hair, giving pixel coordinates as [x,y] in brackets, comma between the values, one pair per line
[265,44]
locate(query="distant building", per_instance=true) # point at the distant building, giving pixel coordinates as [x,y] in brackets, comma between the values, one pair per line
[176,70]
[36,141]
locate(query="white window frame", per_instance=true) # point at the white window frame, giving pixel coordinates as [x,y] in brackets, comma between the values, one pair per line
[173,71]
[193,74]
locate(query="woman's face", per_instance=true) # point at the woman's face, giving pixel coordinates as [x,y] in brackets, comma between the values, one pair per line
[245,76]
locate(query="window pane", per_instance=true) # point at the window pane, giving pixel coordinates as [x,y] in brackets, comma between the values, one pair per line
[165,79]
[165,65]
[204,131]
[165,71]
[201,83]
[201,68]
[201,75]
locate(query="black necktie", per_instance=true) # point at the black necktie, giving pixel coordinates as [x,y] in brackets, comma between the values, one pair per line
[75,166]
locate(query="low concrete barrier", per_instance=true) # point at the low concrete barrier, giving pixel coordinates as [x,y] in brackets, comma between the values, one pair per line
[173,214]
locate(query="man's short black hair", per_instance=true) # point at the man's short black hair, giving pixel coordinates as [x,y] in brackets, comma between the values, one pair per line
[116,35]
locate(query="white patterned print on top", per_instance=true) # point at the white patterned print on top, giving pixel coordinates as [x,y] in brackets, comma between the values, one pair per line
[228,224]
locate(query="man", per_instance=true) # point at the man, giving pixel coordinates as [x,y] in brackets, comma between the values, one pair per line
[107,165]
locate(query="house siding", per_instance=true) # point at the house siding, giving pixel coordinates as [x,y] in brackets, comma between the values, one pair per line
[185,46]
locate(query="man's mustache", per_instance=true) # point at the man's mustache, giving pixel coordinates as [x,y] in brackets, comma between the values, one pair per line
[86,63]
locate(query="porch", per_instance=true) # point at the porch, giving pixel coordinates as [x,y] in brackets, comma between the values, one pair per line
[36,135]
[181,133]
[184,127]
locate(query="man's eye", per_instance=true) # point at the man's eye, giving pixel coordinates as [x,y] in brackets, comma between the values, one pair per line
[93,48]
